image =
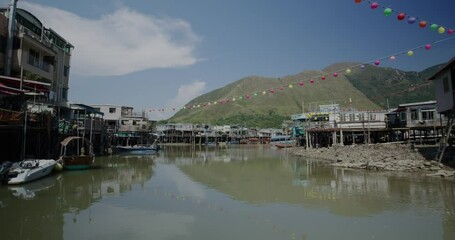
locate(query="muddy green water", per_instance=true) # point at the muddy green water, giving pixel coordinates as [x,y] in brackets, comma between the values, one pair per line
[252,192]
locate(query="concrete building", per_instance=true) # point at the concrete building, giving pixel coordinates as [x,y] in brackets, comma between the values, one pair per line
[34,59]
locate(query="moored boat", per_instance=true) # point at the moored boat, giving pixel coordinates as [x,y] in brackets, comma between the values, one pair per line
[137,149]
[283,141]
[73,155]
[29,170]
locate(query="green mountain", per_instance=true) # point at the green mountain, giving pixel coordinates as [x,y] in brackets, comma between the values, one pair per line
[243,102]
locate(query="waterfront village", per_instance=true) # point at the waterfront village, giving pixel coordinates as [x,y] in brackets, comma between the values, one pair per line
[36,116]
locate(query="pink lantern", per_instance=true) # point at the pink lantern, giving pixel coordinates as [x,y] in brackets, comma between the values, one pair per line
[449,31]
[323,78]
[301,83]
[392,58]
[335,74]
[376,62]
[311,80]
[374,5]
[428,46]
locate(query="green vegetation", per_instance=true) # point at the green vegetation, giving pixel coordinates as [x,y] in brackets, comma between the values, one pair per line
[368,88]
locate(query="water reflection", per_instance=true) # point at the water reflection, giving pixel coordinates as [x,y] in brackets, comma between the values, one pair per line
[37,210]
[275,177]
[239,192]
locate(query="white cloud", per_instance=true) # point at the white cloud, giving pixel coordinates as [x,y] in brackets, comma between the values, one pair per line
[185,93]
[120,42]
[188,92]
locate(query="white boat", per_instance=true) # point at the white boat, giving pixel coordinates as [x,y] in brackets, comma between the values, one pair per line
[29,170]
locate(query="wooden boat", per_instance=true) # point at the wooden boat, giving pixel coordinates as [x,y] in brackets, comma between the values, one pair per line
[73,155]
[29,170]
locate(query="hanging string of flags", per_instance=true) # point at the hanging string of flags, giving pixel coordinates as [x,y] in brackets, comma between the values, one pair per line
[401,16]
[373,5]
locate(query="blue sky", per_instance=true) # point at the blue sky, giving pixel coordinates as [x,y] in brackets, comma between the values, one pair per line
[152,54]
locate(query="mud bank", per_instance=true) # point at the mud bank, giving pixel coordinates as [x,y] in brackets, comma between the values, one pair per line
[387,157]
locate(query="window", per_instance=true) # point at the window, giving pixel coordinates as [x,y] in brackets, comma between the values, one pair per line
[33,58]
[361,117]
[372,116]
[351,117]
[66,71]
[342,117]
[414,114]
[427,114]
[65,94]
[445,82]
[112,110]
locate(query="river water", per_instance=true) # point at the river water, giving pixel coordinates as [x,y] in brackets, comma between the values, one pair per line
[240,192]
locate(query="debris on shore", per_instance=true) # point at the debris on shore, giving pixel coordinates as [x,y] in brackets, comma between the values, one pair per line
[387,157]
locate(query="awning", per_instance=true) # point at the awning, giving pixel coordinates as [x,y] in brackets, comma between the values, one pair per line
[9,91]
[11,86]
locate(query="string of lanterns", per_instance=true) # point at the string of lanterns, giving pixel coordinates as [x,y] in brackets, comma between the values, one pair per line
[373,5]
[410,19]
[311,80]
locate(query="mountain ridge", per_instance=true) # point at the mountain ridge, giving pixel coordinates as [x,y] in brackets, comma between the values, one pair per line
[370,87]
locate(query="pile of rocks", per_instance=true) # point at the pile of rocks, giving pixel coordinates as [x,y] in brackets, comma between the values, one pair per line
[389,157]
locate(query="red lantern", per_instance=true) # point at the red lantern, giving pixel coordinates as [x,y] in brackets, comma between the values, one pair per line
[335,74]
[311,80]
[301,83]
[323,78]
[357,1]
[401,16]
[422,24]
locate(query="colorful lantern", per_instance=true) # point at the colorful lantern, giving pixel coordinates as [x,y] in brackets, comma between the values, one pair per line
[362,66]
[387,12]
[427,46]
[311,80]
[357,1]
[335,74]
[412,20]
[441,30]
[392,58]
[290,86]
[401,16]
[264,92]
[433,26]
[301,83]
[410,53]
[272,91]
[423,24]
[374,5]
[376,62]
[233,99]
[348,71]
[323,78]
[450,31]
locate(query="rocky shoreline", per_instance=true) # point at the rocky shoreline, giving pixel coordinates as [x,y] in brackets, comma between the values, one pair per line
[385,157]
